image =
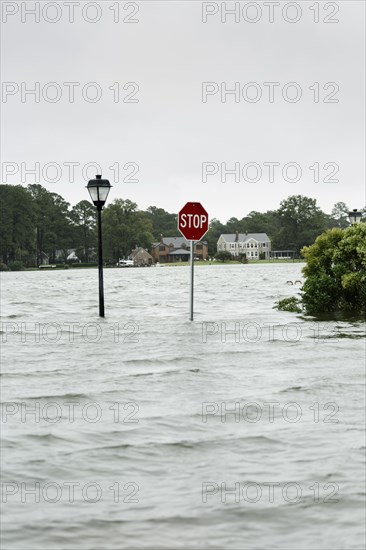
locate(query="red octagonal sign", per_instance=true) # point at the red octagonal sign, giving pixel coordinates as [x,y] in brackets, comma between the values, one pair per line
[193,221]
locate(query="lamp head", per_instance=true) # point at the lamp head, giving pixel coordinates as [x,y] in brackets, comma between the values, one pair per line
[98,190]
[354,216]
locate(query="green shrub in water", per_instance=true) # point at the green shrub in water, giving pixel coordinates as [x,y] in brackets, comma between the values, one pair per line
[291,304]
[336,271]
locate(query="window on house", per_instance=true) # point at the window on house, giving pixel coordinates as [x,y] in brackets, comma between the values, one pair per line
[232,245]
[162,247]
[199,246]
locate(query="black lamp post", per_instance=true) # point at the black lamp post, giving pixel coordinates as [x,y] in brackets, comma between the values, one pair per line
[98,190]
[354,216]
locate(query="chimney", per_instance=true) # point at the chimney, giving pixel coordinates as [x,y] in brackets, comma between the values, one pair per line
[236,236]
[161,238]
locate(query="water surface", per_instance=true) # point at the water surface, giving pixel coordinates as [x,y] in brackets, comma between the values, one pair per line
[243,429]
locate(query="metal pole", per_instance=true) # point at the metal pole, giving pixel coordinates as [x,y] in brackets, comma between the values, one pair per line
[191,289]
[100,263]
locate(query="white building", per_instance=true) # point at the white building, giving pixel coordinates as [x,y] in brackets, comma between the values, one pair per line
[251,244]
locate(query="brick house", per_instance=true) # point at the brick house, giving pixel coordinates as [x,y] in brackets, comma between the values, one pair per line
[177,249]
[140,257]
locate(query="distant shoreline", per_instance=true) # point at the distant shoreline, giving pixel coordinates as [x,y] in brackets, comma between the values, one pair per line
[172,264]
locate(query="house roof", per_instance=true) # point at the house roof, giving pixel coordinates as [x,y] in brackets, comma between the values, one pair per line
[177,242]
[137,251]
[243,237]
[180,251]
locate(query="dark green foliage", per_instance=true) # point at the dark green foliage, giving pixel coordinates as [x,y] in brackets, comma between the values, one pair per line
[16,266]
[223,256]
[17,223]
[124,228]
[336,271]
[213,234]
[301,221]
[339,215]
[83,217]
[34,221]
[162,223]
[52,222]
[291,304]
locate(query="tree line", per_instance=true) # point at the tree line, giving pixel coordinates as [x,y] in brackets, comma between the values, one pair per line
[35,221]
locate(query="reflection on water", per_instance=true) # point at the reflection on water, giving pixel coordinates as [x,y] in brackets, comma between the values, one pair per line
[243,429]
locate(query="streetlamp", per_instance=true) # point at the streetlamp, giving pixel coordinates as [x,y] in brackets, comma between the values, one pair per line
[354,216]
[98,190]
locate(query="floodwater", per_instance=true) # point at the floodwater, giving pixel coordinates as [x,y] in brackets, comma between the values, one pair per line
[241,430]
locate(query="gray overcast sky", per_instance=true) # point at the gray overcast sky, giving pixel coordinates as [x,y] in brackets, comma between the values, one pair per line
[170,131]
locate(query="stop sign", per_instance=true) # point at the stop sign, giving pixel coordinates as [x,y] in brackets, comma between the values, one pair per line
[193,221]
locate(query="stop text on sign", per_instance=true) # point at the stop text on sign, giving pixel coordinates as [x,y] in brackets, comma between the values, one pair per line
[197,221]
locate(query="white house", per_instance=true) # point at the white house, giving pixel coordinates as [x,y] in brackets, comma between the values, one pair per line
[251,244]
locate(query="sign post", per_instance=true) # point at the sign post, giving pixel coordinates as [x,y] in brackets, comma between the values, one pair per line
[192,283]
[193,224]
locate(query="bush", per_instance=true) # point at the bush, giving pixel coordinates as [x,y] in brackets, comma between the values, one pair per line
[3,267]
[223,256]
[243,258]
[336,271]
[16,266]
[291,304]
[262,255]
